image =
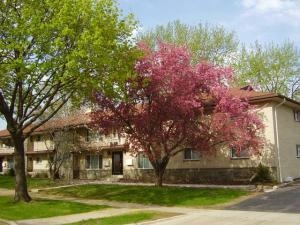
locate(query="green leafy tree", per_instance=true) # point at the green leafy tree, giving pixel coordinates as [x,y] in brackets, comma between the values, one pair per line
[52,51]
[205,42]
[270,68]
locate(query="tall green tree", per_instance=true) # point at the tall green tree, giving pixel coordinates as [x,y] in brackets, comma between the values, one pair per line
[52,51]
[270,68]
[205,42]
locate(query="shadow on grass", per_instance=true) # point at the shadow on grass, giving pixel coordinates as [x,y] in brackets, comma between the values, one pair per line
[41,208]
[169,196]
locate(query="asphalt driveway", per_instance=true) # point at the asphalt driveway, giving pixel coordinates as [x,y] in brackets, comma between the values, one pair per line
[286,199]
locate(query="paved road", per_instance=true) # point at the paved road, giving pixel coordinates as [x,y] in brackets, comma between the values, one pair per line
[285,200]
[229,217]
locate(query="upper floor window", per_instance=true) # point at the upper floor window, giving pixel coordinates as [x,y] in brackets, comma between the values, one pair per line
[95,136]
[144,162]
[241,154]
[38,160]
[93,162]
[297,115]
[298,151]
[191,154]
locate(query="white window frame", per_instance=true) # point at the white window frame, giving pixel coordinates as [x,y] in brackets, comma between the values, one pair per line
[90,165]
[298,151]
[297,115]
[194,155]
[143,162]
[39,160]
[233,155]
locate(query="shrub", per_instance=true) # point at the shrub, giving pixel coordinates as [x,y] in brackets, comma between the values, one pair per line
[11,172]
[262,175]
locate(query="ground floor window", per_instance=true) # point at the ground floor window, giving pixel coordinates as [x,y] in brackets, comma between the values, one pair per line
[191,154]
[298,151]
[242,154]
[144,162]
[93,162]
[10,163]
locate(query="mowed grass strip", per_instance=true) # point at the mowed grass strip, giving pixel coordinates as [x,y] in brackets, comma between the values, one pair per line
[8,182]
[41,208]
[127,218]
[168,196]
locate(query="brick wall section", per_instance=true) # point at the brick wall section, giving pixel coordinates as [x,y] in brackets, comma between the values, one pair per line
[196,176]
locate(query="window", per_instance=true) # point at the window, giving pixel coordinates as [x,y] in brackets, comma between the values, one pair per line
[10,163]
[87,137]
[38,160]
[242,154]
[93,162]
[143,162]
[38,138]
[298,151]
[95,136]
[297,115]
[191,154]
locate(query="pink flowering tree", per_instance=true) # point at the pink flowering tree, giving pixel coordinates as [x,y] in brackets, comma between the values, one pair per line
[172,104]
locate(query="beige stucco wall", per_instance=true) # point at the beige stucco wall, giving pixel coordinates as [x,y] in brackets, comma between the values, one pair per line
[42,164]
[222,158]
[289,137]
[43,144]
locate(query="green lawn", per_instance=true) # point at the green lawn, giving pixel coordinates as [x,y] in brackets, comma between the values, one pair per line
[126,218]
[170,196]
[9,182]
[40,208]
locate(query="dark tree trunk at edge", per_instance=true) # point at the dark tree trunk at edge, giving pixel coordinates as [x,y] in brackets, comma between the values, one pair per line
[159,169]
[159,178]
[21,192]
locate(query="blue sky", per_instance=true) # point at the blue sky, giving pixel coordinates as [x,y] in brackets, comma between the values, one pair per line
[262,20]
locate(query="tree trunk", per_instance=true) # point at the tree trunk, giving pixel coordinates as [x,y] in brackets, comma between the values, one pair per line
[159,178]
[159,169]
[21,192]
[160,166]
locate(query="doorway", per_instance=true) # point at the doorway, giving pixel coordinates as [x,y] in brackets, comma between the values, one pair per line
[117,163]
[1,168]
[29,164]
[76,166]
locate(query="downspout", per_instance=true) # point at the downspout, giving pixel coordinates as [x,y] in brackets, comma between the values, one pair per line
[277,138]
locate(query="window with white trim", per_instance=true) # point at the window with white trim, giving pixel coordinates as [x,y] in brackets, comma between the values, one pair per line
[298,151]
[38,160]
[241,154]
[191,154]
[143,162]
[93,162]
[297,115]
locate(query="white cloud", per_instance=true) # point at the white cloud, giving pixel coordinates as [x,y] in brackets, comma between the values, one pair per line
[273,11]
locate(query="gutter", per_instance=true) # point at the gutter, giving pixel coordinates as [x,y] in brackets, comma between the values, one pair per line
[277,138]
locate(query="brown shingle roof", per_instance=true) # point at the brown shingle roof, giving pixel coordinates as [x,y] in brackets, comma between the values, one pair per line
[54,124]
[83,119]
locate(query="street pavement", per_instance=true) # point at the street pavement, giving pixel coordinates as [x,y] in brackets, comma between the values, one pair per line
[285,200]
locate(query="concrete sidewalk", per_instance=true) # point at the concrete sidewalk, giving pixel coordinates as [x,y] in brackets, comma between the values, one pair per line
[190,216]
[227,217]
[76,217]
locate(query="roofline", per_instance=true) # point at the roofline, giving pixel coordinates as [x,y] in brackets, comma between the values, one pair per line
[272,97]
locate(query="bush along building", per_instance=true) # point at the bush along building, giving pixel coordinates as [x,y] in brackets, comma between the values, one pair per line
[67,148]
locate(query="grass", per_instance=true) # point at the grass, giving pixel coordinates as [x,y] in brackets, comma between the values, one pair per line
[168,196]
[9,182]
[126,218]
[41,208]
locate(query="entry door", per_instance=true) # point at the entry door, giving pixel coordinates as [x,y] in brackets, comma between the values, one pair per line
[1,168]
[117,163]
[76,166]
[29,164]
